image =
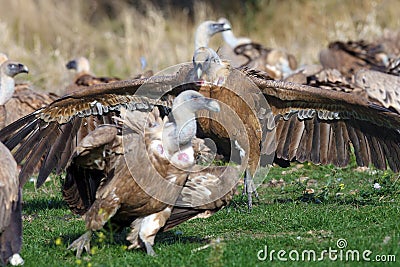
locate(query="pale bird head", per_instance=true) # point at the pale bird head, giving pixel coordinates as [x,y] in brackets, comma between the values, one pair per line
[80,64]
[8,70]
[225,21]
[206,30]
[12,68]
[192,101]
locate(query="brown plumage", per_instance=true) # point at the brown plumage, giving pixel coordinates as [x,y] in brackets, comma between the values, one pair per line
[18,100]
[10,210]
[83,76]
[349,57]
[151,159]
[205,192]
[24,101]
[320,123]
[390,40]
[239,127]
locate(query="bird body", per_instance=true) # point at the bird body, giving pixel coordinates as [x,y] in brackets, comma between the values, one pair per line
[10,210]
[151,163]
[83,76]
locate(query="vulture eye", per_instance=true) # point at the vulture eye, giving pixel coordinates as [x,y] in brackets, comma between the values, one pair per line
[13,66]
[364,80]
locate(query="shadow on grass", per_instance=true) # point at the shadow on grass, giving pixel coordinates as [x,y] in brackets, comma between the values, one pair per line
[171,237]
[35,205]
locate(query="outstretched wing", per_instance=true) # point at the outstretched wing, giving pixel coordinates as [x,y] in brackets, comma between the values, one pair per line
[54,131]
[320,125]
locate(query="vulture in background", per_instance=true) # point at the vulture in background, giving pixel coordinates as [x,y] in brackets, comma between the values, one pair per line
[390,40]
[18,100]
[134,175]
[83,76]
[245,53]
[10,190]
[352,56]
[206,30]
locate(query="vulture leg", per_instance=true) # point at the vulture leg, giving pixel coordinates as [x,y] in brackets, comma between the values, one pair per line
[249,188]
[144,230]
[248,184]
[83,242]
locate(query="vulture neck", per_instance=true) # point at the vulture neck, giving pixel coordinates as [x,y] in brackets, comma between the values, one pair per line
[232,41]
[201,38]
[230,38]
[7,87]
[185,126]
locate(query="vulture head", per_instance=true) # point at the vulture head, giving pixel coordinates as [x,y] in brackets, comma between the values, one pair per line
[208,67]
[8,70]
[230,38]
[179,134]
[206,30]
[11,68]
[80,64]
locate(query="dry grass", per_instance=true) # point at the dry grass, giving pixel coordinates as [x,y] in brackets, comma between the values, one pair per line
[45,34]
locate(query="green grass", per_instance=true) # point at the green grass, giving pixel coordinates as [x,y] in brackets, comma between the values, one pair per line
[344,205]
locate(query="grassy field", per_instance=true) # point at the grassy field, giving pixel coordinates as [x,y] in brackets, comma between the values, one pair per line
[344,205]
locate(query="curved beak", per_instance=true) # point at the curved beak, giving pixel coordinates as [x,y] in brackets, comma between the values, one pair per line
[198,70]
[23,68]
[212,105]
[220,27]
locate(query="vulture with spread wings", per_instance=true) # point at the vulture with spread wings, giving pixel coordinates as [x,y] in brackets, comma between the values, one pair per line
[131,175]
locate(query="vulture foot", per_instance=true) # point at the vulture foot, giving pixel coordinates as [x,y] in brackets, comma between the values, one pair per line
[249,188]
[83,242]
[149,249]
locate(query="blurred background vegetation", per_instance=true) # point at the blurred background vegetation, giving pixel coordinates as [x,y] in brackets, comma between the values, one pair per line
[116,34]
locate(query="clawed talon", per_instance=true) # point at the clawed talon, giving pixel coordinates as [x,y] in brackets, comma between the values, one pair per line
[83,242]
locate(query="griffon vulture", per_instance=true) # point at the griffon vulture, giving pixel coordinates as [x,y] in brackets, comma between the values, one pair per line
[83,76]
[243,52]
[349,57]
[135,177]
[18,100]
